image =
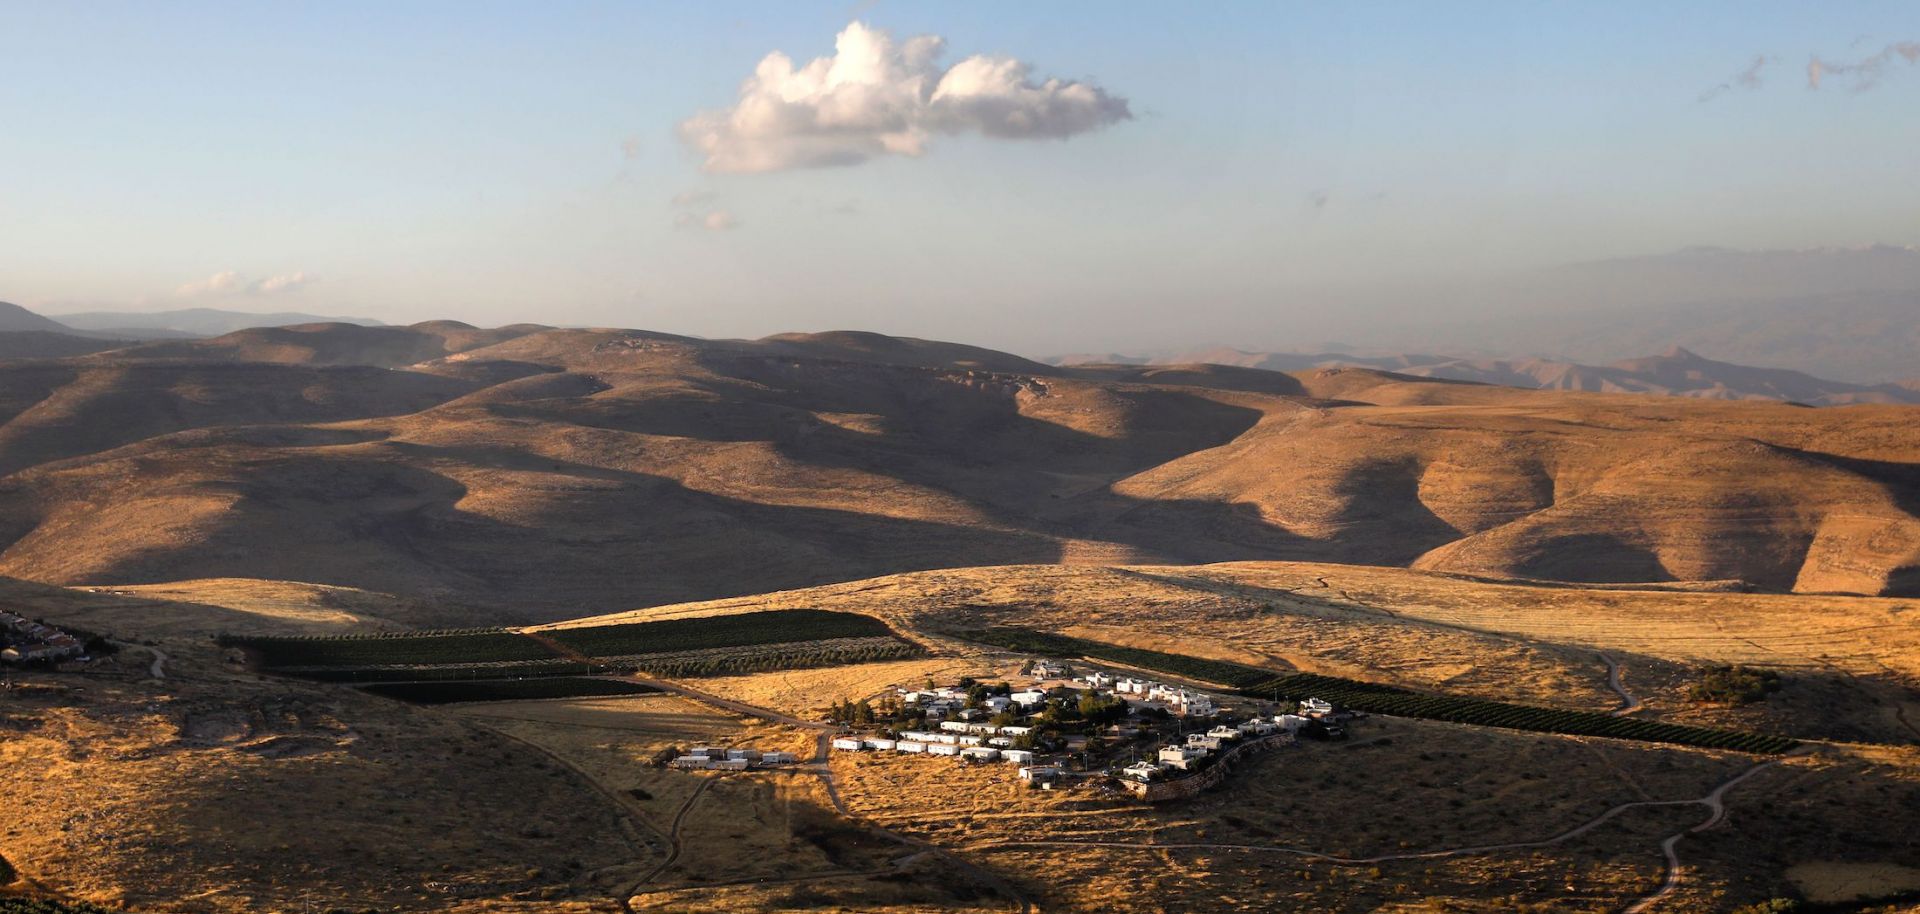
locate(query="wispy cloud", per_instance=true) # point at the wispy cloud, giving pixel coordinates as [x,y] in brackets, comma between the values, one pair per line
[718,220]
[694,209]
[1863,73]
[876,96]
[1747,79]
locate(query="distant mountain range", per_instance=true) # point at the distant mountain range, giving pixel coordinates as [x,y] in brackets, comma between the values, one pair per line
[1852,314]
[1676,372]
[192,322]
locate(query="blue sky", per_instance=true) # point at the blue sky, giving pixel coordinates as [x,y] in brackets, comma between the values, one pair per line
[498,162]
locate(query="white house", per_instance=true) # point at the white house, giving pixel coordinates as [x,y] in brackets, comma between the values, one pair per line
[1142,771]
[999,742]
[777,758]
[879,743]
[954,726]
[1224,732]
[848,743]
[1316,706]
[1181,757]
[1039,772]
[997,703]
[942,749]
[1015,730]
[1203,741]
[969,740]
[980,753]
[1290,722]
[1017,756]
[914,747]
[747,754]
[1099,680]
[1028,698]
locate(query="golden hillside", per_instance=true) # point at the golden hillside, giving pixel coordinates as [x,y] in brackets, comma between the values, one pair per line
[555,472]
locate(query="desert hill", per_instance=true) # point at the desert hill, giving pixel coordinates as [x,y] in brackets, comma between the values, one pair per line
[332,344]
[552,472]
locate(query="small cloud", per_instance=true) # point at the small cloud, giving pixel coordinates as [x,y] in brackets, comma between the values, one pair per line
[1864,73]
[1318,199]
[630,147]
[231,282]
[285,282]
[1748,79]
[692,197]
[225,282]
[876,96]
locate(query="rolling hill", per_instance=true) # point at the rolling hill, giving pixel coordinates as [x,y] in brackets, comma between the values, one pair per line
[548,473]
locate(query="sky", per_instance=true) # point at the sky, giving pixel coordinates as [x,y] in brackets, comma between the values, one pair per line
[1039,177]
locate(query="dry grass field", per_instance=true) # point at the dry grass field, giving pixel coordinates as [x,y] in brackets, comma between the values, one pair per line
[190,792]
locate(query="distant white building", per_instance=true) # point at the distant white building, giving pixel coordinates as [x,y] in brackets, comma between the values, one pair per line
[1041,773]
[848,743]
[879,743]
[981,753]
[1142,771]
[913,747]
[1017,756]
[1182,757]
[1028,698]
[1316,706]
[942,749]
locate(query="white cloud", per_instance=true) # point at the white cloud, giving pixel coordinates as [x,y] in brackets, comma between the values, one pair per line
[1865,72]
[285,282]
[230,282]
[876,96]
[691,197]
[225,282]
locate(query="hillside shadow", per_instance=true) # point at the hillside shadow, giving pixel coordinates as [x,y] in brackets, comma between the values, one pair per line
[1592,558]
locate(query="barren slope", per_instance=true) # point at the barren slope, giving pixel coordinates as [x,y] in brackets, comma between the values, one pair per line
[561,471]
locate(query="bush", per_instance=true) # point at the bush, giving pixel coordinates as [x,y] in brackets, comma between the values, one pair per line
[1734,685]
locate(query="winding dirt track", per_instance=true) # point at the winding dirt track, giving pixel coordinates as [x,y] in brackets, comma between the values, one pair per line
[1628,703]
[674,844]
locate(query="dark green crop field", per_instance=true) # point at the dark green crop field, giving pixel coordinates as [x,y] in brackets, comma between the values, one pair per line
[487,646]
[778,626]
[441,693]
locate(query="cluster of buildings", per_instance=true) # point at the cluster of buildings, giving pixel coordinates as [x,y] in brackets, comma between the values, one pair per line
[955,739]
[30,641]
[715,758]
[1176,699]
[1193,753]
